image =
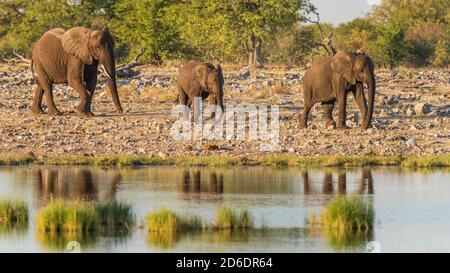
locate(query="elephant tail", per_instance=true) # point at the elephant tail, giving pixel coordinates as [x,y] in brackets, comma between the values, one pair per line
[32,70]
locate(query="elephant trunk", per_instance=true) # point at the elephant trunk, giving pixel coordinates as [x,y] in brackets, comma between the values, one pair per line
[110,68]
[371,100]
[219,101]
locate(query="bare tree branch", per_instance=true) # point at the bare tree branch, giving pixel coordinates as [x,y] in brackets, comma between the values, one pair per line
[19,59]
[326,42]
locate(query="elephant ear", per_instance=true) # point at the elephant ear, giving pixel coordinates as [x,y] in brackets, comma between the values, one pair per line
[342,64]
[76,42]
[200,75]
[219,72]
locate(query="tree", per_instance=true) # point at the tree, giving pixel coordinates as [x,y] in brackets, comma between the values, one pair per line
[390,44]
[143,26]
[415,26]
[236,24]
[23,22]
[442,54]
[355,35]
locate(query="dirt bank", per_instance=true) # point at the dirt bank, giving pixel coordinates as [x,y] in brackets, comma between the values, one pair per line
[411,117]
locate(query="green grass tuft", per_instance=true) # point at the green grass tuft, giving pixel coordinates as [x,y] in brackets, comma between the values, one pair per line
[229,218]
[13,213]
[348,215]
[167,221]
[114,215]
[59,217]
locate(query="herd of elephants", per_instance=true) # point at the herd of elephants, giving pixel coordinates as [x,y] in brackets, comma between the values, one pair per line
[72,57]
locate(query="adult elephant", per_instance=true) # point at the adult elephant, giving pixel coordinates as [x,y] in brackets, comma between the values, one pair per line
[203,80]
[330,79]
[73,57]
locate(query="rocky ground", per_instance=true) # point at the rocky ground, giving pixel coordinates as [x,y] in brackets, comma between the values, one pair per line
[412,116]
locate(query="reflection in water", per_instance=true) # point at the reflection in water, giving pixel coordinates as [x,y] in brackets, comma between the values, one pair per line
[194,182]
[71,185]
[279,200]
[58,242]
[343,241]
[365,184]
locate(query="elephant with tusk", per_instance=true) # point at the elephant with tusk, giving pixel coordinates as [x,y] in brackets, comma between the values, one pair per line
[73,57]
[330,79]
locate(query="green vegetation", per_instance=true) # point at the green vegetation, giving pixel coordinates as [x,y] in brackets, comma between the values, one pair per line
[13,213]
[228,218]
[59,217]
[167,221]
[12,160]
[346,215]
[280,160]
[343,241]
[114,215]
[395,32]
[427,161]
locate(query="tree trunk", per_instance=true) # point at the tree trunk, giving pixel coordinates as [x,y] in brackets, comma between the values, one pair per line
[255,58]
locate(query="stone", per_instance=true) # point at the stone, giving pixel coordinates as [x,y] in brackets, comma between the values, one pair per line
[422,108]
[410,112]
[411,142]
[245,73]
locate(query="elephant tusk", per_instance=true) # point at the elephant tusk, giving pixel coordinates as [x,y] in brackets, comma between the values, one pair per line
[106,72]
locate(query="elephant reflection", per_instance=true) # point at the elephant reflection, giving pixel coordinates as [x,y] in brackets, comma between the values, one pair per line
[193,182]
[71,185]
[365,187]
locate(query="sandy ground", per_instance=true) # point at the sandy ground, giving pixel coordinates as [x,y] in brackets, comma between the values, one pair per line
[412,114]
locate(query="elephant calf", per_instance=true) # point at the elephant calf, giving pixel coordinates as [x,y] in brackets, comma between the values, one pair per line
[203,80]
[73,57]
[330,79]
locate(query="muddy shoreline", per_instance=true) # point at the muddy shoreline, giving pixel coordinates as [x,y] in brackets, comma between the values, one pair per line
[411,118]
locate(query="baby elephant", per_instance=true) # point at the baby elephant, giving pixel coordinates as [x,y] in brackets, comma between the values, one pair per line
[203,80]
[331,78]
[73,57]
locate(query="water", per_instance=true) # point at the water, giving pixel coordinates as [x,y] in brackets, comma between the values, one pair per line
[412,208]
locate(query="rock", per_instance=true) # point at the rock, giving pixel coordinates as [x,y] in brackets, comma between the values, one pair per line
[411,142]
[410,112]
[162,155]
[245,73]
[291,150]
[210,147]
[422,108]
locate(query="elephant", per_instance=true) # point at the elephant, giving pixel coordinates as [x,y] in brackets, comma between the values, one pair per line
[72,57]
[203,80]
[330,79]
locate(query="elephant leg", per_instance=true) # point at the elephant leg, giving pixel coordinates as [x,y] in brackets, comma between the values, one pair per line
[328,110]
[361,101]
[47,87]
[84,96]
[183,100]
[213,101]
[36,107]
[195,110]
[91,83]
[304,117]
[342,102]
